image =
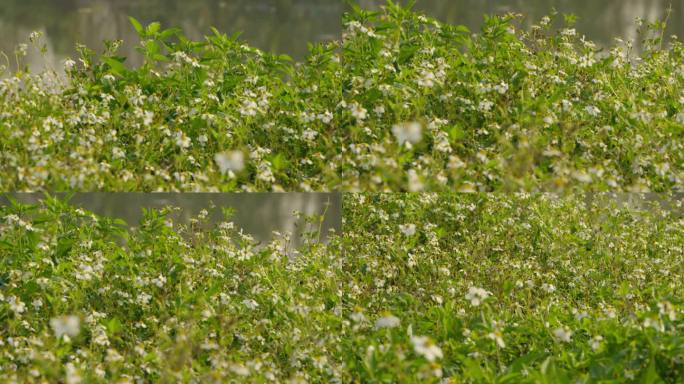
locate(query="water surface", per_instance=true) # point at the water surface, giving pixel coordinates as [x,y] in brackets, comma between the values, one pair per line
[258,214]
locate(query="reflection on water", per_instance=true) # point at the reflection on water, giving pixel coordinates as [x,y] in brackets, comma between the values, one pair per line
[283,26]
[258,214]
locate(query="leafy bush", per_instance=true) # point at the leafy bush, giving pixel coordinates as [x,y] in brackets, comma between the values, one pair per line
[401,102]
[418,288]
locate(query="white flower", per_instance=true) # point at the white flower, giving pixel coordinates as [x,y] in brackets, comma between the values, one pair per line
[159,281]
[498,338]
[325,117]
[582,177]
[485,106]
[425,347]
[249,108]
[21,50]
[502,87]
[389,321]
[581,315]
[665,308]
[414,182]
[357,316]
[264,172]
[72,375]
[34,36]
[566,105]
[680,118]
[113,356]
[426,79]
[309,134]
[182,140]
[239,369]
[563,334]
[592,111]
[66,325]
[360,113]
[442,142]
[148,118]
[476,296]
[650,322]
[118,153]
[144,299]
[595,342]
[230,161]
[568,32]
[411,132]
[37,303]
[100,336]
[69,64]
[407,229]
[16,305]
[249,303]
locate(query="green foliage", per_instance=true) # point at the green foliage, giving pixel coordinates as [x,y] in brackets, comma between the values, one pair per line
[401,102]
[481,288]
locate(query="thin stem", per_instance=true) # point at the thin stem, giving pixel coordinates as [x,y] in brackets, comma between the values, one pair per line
[667,19]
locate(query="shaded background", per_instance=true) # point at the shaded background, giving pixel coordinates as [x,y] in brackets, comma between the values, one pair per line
[259,214]
[282,26]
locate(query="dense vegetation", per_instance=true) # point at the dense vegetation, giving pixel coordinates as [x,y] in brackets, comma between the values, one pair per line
[419,288]
[402,102]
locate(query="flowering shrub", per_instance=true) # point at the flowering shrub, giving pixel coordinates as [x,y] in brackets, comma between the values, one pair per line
[401,102]
[485,288]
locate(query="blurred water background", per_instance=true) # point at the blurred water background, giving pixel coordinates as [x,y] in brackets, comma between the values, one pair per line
[258,214]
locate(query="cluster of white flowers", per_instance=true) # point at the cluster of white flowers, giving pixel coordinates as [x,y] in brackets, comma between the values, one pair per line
[592,111]
[358,290]
[387,321]
[425,347]
[181,57]
[16,305]
[476,296]
[407,229]
[230,162]
[563,334]
[409,133]
[69,326]
[358,111]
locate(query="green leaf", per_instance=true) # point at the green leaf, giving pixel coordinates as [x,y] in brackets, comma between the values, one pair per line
[136,24]
[63,248]
[456,133]
[407,52]
[472,370]
[650,375]
[278,161]
[153,28]
[115,66]
[114,326]
[169,32]
[159,57]
[152,47]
